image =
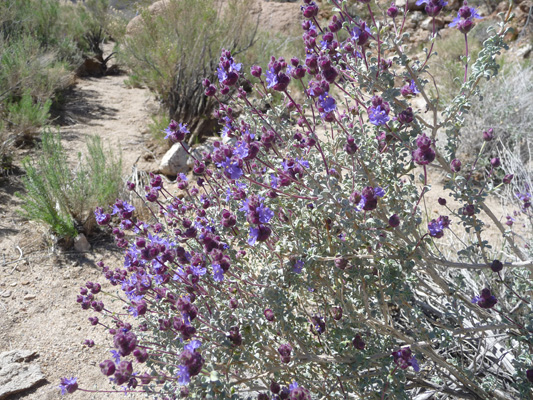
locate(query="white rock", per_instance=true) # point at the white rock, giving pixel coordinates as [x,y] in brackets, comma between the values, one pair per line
[81,243]
[175,160]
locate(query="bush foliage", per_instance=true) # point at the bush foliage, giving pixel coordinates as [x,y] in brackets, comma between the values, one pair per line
[306,259]
[64,198]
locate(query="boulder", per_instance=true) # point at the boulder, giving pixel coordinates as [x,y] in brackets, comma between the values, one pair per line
[174,161]
[18,372]
[156,9]
[92,66]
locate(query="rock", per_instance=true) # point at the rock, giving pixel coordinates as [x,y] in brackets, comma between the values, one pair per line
[135,25]
[5,293]
[29,297]
[174,161]
[525,51]
[427,24]
[17,372]
[92,66]
[197,151]
[81,243]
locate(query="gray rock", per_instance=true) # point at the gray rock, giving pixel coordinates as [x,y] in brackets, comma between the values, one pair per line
[174,161]
[18,372]
[81,243]
[197,151]
[427,24]
[525,51]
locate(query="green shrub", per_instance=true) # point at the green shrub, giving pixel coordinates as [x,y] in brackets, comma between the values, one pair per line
[27,116]
[172,53]
[63,199]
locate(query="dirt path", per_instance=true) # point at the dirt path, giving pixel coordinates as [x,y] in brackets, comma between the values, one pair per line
[118,114]
[38,292]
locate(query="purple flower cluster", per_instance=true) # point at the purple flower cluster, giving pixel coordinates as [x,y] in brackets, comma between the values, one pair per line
[436,226]
[405,358]
[465,19]
[423,154]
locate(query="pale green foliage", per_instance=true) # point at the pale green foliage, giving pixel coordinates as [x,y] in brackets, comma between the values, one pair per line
[63,199]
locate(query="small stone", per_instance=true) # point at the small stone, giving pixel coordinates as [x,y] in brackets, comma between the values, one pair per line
[25,283]
[14,284]
[81,243]
[29,297]
[525,51]
[65,286]
[6,293]
[174,161]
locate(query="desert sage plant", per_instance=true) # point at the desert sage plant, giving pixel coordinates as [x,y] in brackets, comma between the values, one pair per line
[303,258]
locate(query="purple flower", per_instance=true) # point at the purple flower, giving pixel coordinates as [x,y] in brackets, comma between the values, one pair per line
[68,385]
[377,115]
[404,358]
[327,103]
[192,345]
[259,234]
[436,226]
[298,265]
[101,217]
[265,213]
[273,181]
[115,355]
[485,300]
[176,133]
[465,18]
[218,273]
[183,375]
[410,89]
[433,7]
[231,169]
[424,154]
[360,34]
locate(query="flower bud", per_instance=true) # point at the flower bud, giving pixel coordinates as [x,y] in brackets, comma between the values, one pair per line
[358,342]
[469,210]
[269,315]
[495,162]
[392,11]
[496,266]
[455,165]
[275,387]
[508,178]
[394,220]
[488,135]
[336,313]
[107,367]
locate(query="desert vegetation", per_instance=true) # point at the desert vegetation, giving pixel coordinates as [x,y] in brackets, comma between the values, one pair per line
[360,227]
